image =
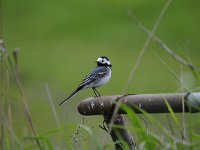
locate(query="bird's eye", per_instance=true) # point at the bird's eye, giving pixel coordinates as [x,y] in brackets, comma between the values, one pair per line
[102,60]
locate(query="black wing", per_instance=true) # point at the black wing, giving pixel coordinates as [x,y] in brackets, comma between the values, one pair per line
[94,75]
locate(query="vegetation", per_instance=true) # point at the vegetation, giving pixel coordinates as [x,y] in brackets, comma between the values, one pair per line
[50,46]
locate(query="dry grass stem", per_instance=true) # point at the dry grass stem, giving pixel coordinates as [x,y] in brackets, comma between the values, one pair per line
[144,48]
[20,87]
[2,96]
[173,73]
[139,58]
[162,44]
[52,105]
[1,20]
[183,107]
[11,131]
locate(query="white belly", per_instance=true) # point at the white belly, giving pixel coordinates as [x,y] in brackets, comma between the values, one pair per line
[101,82]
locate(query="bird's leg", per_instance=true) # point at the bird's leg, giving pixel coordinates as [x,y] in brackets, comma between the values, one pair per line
[99,95]
[94,90]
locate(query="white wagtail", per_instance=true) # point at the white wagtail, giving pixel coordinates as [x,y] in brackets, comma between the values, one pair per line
[99,76]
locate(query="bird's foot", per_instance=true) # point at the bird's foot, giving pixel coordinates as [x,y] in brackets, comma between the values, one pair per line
[97,96]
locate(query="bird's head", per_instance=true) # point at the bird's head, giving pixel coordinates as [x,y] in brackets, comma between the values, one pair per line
[103,61]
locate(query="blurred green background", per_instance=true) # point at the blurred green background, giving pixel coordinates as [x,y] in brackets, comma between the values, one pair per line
[60,40]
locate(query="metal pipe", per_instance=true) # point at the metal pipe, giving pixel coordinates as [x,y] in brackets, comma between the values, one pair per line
[119,135]
[151,103]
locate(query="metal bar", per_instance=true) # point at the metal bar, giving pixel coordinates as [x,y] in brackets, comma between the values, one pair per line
[151,103]
[119,135]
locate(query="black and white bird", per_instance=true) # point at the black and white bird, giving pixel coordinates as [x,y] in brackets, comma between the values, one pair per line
[99,76]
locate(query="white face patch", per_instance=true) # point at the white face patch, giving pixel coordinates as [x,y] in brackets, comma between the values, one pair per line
[103,61]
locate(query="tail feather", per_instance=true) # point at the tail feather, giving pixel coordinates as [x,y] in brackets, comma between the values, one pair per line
[71,95]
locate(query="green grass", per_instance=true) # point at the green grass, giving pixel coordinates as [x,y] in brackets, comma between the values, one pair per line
[164,139]
[55,37]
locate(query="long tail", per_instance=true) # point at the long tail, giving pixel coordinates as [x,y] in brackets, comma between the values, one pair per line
[71,95]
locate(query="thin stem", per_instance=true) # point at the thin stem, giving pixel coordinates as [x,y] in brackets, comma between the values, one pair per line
[20,87]
[1,19]
[146,44]
[139,58]
[52,105]
[162,44]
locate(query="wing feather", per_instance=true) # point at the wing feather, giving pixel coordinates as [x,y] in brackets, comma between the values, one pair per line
[92,77]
